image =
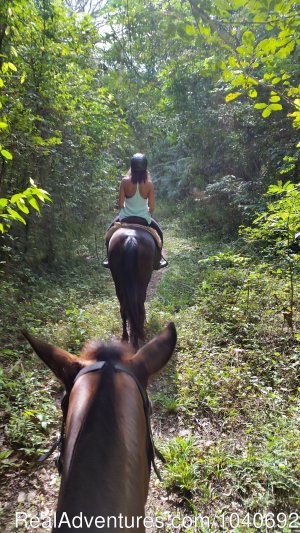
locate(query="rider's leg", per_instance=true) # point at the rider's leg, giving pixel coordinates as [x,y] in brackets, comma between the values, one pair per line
[153,224]
[105,261]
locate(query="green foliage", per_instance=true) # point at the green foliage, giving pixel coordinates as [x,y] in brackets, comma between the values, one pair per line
[265,467]
[28,407]
[68,306]
[165,402]
[60,123]
[280,223]
[21,201]
[182,466]
[278,227]
[234,381]
[256,48]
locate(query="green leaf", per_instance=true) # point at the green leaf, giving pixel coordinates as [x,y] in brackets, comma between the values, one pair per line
[269,75]
[23,207]
[39,140]
[227,75]
[260,105]
[3,125]
[34,204]
[54,140]
[5,455]
[11,66]
[251,80]
[252,93]
[232,62]
[232,96]
[205,30]
[248,39]
[15,215]
[42,195]
[16,198]
[14,51]
[242,50]
[275,107]
[287,169]
[260,17]
[236,4]
[240,81]
[286,50]
[3,202]
[6,154]
[267,46]
[190,30]
[274,99]
[266,113]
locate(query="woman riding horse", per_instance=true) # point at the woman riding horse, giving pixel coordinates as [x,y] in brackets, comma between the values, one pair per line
[136,199]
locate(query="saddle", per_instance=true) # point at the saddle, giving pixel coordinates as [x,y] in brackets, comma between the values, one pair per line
[119,225]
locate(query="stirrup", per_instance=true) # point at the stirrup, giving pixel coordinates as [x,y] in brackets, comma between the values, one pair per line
[105,263]
[163,263]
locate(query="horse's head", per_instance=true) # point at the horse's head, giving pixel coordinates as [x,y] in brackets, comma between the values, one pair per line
[107,447]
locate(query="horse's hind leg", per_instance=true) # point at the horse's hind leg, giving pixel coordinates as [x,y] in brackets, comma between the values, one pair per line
[134,340]
[125,336]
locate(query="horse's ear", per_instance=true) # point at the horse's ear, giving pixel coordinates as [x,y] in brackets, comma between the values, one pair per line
[63,364]
[156,353]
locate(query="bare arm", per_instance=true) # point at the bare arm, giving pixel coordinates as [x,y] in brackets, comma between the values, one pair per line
[121,200]
[151,201]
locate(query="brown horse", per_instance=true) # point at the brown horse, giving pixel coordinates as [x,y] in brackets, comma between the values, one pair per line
[132,256]
[107,444]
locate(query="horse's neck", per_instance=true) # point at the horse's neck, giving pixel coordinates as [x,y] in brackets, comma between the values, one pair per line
[108,470]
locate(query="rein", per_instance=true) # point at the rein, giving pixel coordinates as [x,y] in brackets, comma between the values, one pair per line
[98,367]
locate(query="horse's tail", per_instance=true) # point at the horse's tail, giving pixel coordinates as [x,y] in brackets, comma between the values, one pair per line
[133,300]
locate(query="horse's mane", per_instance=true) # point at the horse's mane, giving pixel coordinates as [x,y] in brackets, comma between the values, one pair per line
[98,351]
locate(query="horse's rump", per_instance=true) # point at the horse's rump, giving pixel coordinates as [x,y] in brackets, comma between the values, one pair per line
[133,225]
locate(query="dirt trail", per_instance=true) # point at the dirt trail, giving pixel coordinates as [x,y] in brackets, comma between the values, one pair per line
[34,489]
[154,281]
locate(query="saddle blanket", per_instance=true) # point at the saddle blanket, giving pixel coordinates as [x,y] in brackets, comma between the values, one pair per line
[119,225]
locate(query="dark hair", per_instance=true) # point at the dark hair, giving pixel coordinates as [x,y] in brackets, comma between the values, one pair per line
[138,168]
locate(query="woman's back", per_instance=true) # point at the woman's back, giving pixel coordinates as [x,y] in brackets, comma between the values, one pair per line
[133,200]
[130,188]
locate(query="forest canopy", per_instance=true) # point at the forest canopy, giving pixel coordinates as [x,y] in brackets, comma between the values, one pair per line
[209,90]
